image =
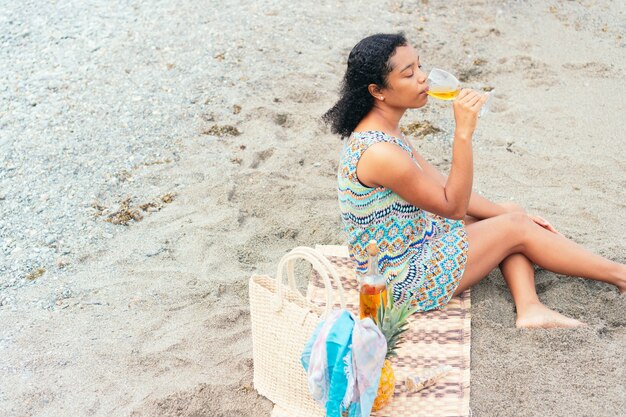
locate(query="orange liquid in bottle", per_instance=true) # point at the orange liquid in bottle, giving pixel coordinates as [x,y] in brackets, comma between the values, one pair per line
[370,298]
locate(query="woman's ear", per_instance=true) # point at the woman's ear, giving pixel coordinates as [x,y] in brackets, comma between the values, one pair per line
[375,91]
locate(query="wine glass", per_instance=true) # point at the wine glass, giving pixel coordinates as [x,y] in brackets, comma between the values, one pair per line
[444,86]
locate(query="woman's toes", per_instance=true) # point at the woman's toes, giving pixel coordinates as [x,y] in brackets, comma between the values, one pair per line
[577,323]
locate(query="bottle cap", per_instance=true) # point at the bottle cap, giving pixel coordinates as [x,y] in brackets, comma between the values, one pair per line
[372,247]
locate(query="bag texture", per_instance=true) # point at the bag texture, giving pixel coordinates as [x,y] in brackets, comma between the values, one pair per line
[282,322]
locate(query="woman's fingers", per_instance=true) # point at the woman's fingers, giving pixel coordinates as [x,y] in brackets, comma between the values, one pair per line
[465,112]
[551,228]
[474,101]
[544,223]
[471,98]
[539,220]
[464,92]
[468,96]
[481,101]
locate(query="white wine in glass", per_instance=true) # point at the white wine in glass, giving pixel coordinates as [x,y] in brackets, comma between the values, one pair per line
[444,86]
[443,95]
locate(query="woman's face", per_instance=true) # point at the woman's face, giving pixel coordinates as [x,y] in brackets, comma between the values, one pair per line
[407,83]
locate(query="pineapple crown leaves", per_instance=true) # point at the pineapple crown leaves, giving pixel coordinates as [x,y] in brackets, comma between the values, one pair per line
[392,321]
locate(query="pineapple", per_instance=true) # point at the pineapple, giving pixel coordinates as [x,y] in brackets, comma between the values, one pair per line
[392,322]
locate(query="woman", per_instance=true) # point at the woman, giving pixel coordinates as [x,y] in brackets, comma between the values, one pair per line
[436,237]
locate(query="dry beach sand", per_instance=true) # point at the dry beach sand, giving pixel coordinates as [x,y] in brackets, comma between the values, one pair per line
[218,105]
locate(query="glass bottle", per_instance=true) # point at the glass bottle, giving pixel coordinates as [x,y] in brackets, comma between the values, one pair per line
[373,288]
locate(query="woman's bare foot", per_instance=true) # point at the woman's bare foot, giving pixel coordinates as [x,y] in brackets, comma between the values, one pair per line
[540,316]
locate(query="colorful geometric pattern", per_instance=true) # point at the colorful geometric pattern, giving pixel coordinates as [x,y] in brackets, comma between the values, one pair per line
[422,253]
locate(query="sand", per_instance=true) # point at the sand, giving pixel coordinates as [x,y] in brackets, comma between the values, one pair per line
[157,321]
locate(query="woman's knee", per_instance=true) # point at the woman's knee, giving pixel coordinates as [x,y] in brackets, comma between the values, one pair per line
[518,223]
[499,237]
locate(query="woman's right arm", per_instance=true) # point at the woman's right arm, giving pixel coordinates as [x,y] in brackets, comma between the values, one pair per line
[388,165]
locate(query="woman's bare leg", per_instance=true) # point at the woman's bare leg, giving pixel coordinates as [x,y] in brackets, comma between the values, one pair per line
[517,270]
[494,240]
[519,274]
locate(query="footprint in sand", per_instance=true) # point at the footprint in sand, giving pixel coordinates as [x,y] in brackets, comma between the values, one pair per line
[261,156]
[209,400]
[227,319]
[536,73]
[304,96]
[264,114]
[283,119]
[591,69]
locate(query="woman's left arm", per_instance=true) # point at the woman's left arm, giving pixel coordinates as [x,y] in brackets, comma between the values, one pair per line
[479,207]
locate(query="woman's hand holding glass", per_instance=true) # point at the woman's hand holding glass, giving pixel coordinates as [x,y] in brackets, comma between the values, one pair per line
[444,86]
[466,108]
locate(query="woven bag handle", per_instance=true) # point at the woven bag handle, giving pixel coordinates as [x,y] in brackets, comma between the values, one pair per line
[288,259]
[329,266]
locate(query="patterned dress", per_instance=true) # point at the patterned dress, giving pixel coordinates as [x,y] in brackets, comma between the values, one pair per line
[422,254]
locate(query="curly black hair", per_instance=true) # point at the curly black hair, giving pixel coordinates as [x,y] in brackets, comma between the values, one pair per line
[368,63]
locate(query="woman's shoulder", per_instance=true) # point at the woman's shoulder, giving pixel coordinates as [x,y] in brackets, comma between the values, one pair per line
[373,130]
[371,136]
[363,139]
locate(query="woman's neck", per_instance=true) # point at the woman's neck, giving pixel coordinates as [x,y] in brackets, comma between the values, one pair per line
[383,119]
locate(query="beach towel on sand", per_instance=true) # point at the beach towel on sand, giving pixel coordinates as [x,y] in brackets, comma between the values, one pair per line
[343,359]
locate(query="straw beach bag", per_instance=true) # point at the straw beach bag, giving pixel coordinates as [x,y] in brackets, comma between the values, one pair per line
[282,322]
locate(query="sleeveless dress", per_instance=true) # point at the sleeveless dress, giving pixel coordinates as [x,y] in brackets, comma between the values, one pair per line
[422,255]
